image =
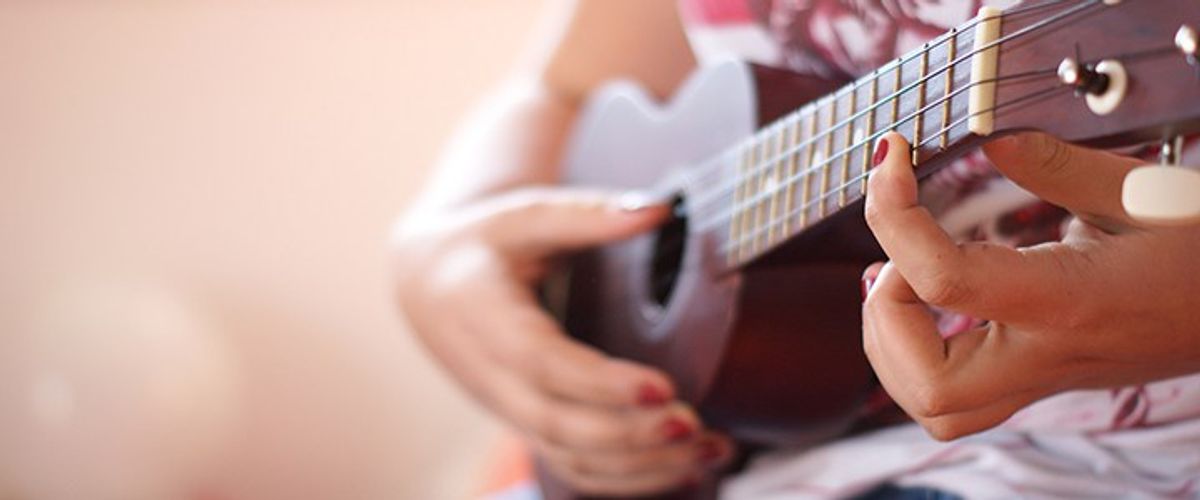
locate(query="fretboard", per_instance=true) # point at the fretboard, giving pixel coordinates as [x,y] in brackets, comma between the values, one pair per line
[806,166]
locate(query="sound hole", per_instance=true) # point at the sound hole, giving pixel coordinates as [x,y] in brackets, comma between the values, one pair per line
[669,245]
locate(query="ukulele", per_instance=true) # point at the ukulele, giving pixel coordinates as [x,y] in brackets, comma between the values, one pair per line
[749,297]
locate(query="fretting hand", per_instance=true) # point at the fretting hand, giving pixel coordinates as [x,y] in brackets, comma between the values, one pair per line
[1113,303]
[466,282]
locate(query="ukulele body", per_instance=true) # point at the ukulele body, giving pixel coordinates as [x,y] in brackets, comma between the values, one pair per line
[771,354]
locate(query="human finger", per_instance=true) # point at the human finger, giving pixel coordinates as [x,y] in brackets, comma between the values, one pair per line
[952,386]
[983,280]
[1085,181]
[535,223]
[524,338]
[576,425]
[705,451]
[949,426]
[900,337]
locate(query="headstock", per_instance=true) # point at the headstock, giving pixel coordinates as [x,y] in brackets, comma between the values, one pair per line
[1103,73]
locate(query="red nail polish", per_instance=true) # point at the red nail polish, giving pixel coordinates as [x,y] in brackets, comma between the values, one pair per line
[650,396]
[867,283]
[676,430]
[709,452]
[881,149]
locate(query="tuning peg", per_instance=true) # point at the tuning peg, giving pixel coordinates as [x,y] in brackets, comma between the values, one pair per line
[1163,194]
[1083,78]
[1187,42]
[1101,85]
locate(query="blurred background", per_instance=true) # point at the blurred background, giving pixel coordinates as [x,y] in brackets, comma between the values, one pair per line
[195,197]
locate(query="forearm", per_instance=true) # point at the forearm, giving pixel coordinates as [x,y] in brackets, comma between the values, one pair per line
[514,139]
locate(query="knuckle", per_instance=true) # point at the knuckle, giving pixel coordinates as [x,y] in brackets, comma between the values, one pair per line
[943,430]
[577,463]
[548,425]
[930,401]
[870,344]
[946,288]
[526,354]
[603,433]
[562,466]
[627,464]
[1055,156]
[1079,317]
[871,211]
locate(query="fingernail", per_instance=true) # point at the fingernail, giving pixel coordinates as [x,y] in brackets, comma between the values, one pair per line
[650,396]
[710,452]
[636,201]
[881,149]
[867,283]
[675,429]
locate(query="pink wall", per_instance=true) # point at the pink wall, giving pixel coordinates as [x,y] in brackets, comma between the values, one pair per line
[225,172]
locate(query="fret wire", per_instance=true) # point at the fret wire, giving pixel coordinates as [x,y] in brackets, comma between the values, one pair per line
[760,188]
[808,144]
[764,186]
[808,163]
[898,89]
[896,98]
[898,63]
[828,152]
[780,176]
[747,211]
[928,107]
[964,29]
[735,233]
[814,167]
[849,141]
[866,161]
[760,175]
[956,123]
[806,206]
[767,184]
[945,102]
[880,133]
[789,187]
[777,182]
[919,121]
[951,47]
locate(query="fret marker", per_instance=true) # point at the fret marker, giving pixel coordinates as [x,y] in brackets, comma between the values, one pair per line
[769,186]
[984,63]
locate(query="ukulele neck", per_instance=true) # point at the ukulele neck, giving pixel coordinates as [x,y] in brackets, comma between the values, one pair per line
[813,162]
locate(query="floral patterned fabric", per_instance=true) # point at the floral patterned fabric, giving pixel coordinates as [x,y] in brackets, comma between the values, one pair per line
[1139,441]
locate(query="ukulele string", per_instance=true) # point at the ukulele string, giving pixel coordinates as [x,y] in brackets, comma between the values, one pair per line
[805,207]
[791,181]
[761,165]
[713,165]
[708,223]
[695,174]
[868,140]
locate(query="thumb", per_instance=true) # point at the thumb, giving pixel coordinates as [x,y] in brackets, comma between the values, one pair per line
[541,222]
[1085,181]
